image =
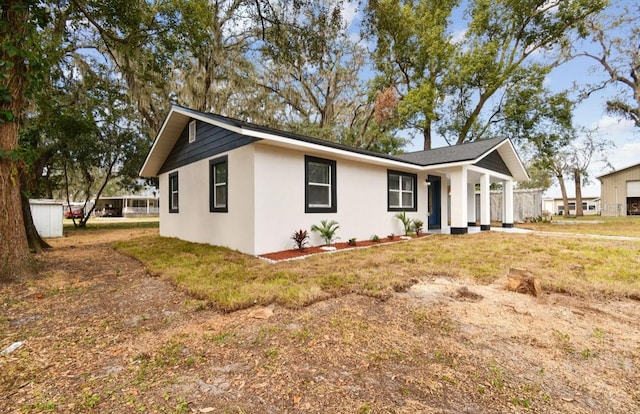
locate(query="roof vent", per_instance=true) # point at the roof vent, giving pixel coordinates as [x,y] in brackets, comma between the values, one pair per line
[192,131]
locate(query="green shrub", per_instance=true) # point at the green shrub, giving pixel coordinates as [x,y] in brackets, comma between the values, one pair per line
[327,230]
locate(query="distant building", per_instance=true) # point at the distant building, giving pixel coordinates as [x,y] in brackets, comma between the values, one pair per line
[590,206]
[620,192]
[127,206]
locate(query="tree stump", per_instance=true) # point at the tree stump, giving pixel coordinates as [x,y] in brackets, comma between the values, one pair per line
[523,281]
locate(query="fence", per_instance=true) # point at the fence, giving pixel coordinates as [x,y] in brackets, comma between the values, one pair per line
[526,204]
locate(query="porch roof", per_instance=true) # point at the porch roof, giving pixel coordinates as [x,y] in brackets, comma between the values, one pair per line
[454,153]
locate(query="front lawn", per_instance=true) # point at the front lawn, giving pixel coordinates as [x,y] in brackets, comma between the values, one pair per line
[229,280]
[611,226]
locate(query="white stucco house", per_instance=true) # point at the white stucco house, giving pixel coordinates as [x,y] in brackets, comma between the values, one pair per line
[231,183]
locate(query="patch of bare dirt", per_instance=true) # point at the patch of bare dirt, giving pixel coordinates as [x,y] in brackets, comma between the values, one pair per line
[101,335]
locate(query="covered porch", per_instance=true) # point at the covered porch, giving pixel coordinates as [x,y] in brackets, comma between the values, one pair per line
[455,173]
[452,200]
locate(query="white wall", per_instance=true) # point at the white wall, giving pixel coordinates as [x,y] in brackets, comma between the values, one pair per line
[272,178]
[361,200]
[194,222]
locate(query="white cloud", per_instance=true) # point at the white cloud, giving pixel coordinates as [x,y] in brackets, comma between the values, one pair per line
[626,155]
[349,12]
[611,125]
[458,36]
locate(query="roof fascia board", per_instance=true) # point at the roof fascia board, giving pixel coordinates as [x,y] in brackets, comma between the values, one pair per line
[189,114]
[155,143]
[491,173]
[489,151]
[512,149]
[518,159]
[293,143]
[455,164]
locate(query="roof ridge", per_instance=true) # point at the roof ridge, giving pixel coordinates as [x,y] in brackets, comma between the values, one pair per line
[497,139]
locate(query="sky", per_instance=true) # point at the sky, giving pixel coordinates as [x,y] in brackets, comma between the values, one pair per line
[590,114]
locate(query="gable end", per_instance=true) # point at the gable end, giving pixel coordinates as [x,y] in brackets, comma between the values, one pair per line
[494,162]
[210,140]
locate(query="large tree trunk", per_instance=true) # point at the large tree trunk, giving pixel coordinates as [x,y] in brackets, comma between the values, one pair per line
[15,258]
[30,185]
[427,137]
[563,191]
[33,237]
[577,179]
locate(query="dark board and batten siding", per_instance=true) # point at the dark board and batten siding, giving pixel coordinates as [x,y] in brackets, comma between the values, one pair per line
[210,140]
[494,162]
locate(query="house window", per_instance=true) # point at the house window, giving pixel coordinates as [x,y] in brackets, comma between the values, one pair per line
[320,185]
[173,192]
[218,183]
[192,131]
[402,194]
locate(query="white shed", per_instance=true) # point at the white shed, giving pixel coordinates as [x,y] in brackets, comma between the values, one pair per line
[47,217]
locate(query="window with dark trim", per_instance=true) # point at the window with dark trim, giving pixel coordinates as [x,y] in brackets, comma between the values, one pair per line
[402,194]
[218,185]
[320,185]
[173,192]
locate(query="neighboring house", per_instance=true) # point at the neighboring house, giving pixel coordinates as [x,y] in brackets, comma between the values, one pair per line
[590,206]
[247,187]
[620,192]
[127,206]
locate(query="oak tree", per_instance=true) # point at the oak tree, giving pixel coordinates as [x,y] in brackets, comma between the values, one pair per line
[614,48]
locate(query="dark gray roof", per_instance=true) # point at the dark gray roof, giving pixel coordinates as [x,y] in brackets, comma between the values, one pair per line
[298,137]
[165,142]
[455,153]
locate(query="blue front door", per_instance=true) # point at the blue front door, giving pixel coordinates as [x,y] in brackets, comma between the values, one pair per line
[434,201]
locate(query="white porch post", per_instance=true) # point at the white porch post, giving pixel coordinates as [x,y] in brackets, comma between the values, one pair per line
[444,204]
[507,196]
[471,204]
[459,201]
[485,202]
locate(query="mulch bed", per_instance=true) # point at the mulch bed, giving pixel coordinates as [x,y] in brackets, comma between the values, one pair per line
[308,251]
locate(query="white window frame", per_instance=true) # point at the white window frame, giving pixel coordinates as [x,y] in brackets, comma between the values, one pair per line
[322,185]
[192,131]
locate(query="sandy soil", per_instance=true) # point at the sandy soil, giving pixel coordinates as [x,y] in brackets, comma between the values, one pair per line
[101,335]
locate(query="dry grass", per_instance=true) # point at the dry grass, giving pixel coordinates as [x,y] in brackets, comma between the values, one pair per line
[610,226]
[100,335]
[230,280]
